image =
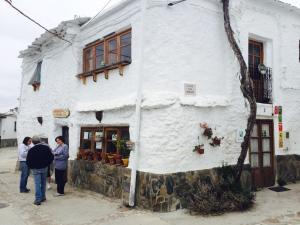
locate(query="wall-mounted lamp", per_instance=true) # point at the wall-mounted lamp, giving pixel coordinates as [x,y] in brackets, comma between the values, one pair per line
[99,115]
[262,69]
[40,119]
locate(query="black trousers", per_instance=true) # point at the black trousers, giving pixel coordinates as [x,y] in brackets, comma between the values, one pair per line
[60,178]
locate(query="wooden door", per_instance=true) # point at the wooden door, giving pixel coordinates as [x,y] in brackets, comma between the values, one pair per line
[262,154]
[256,57]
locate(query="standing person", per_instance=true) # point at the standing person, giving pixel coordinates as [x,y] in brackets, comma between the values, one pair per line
[38,159]
[61,155]
[23,151]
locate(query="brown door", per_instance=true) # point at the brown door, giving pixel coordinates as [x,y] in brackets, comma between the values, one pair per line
[256,57]
[262,154]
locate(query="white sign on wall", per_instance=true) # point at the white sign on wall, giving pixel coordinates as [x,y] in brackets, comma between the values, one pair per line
[189,89]
[239,137]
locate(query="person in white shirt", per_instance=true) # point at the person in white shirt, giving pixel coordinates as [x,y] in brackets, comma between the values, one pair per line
[23,151]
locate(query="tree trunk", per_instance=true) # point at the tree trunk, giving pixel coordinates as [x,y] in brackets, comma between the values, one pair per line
[246,88]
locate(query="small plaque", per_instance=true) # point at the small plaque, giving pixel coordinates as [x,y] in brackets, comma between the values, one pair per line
[280,139]
[240,135]
[61,113]
[189,89]
[280,127]
[276,110]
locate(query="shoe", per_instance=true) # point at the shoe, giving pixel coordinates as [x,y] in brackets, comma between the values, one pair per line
[25,191]
[43,200]
[58,194]
[37,203]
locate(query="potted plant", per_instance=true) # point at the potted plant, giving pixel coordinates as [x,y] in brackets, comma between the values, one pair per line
[111,159]
[199,149]
[104,157]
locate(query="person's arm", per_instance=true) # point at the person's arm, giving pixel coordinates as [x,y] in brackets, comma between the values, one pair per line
[50,156]
[23,151]
[63,155]
[29,159]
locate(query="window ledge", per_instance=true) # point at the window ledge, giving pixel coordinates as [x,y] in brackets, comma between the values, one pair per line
[103,69]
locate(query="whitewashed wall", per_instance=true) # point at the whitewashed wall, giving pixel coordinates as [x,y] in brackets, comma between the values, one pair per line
[183,43]
[8,127]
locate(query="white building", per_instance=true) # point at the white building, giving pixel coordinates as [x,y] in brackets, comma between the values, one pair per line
[8,128]
[178,62]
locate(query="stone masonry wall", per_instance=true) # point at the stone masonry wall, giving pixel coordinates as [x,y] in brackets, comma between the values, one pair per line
[8,143]
[156,192]
[168,192]
[96,176]
[288,168]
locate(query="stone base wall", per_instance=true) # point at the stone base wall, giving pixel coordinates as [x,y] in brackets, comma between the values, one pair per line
[157,192]
[8,143]
[288,168]
[96,176]
[165,193]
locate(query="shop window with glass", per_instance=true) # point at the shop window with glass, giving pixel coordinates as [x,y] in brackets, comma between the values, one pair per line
[110,140]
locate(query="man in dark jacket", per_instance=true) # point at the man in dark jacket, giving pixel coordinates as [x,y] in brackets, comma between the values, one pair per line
[38,159]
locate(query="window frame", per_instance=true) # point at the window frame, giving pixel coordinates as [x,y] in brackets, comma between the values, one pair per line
[104,139]
[105,42]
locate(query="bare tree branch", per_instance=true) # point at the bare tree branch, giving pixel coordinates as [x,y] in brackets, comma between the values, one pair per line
[246,88]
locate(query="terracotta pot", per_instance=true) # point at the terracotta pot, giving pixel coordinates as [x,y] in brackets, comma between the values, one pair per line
[199,149]
[118,158]
[125,162]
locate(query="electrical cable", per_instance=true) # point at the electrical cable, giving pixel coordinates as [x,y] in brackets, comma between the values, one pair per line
[55,34]
[107,3]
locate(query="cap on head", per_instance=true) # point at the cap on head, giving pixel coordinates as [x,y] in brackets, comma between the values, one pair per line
[36,139]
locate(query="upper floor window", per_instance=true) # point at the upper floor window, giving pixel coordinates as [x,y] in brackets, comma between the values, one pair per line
[35,80]
[107,53]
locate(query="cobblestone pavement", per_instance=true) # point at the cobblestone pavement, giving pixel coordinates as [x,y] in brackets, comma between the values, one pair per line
[81,207]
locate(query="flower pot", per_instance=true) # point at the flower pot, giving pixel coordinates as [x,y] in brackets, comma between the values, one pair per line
[199,149]
[111,159]
[118,158]
[125,162]
[103,157]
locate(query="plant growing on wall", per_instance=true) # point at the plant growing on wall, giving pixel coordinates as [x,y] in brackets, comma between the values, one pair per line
[246,88]
[215,141]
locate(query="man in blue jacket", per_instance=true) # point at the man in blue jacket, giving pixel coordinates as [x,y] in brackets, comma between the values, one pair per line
[38,159]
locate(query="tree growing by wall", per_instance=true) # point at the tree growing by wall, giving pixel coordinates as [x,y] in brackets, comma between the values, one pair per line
[246,88]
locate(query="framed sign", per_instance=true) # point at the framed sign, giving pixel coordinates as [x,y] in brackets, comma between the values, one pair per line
[61,113]
[189,89]
[240,133]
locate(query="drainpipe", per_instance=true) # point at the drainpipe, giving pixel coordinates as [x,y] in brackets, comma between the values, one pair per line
[134,163]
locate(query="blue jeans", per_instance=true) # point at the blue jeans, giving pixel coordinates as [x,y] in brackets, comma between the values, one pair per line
[40,176]
[24,176]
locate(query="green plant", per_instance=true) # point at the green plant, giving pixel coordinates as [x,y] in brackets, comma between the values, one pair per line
[122,147]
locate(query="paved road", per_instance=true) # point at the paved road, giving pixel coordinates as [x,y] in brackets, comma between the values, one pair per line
[80,207]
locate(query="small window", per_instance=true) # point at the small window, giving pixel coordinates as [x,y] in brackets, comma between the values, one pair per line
[15,126]
[35,81]
[108,53]
[100,56]
[125,47]
[110,140]
[88,59]
[112,48]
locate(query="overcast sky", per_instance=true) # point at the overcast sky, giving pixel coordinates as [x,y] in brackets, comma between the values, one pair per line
[16,33]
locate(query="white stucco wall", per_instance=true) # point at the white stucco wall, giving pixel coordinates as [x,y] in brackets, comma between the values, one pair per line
[8,127]
[185,43]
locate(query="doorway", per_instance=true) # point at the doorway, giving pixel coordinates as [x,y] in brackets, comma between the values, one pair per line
[262,154]
[65,134]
